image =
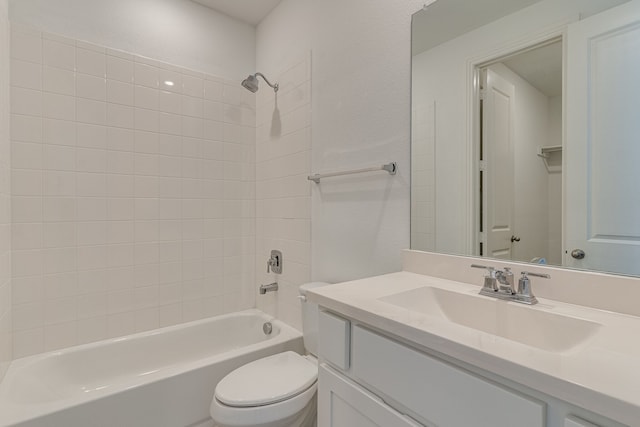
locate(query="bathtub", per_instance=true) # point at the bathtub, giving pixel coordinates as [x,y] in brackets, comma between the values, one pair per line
[161,378]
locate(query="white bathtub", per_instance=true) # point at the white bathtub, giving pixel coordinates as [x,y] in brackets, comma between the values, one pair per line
[162,378]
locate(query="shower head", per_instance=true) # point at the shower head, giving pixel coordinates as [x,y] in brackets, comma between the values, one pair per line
[251,83]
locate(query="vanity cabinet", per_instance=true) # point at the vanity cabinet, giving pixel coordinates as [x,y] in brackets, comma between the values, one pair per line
[367,378]
[576,422]
[435,391]
[343,403]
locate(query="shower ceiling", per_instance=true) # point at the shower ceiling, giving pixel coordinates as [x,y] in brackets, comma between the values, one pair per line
[249,11]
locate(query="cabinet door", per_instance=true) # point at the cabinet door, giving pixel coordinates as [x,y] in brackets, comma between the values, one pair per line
[576,422]
[342,403]
[435,391]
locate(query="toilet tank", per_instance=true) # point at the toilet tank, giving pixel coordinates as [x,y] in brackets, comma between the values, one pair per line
[310,318]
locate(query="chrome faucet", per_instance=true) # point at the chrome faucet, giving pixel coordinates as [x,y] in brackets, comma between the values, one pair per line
[500,284]
[505,277]
[271,287]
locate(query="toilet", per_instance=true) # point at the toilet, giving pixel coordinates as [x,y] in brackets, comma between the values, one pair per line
[275,391]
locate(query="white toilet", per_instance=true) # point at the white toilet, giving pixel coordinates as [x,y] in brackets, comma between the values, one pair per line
[275,391]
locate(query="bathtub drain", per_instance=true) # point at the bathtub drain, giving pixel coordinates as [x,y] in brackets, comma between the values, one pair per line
[267,328]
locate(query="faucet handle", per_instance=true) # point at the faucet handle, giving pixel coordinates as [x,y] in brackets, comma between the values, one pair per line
[491,270]
[274,263]
[525,294]
[490,282]
[526,273]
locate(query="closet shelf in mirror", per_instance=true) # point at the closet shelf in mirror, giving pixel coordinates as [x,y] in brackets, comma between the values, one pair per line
[552,157]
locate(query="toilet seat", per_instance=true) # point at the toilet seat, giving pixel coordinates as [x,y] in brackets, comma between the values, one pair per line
[274,389]
[268,380]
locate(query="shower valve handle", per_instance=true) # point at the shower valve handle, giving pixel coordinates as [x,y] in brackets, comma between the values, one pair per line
[274,263]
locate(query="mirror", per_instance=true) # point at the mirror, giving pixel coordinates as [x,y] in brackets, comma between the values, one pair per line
[524,136]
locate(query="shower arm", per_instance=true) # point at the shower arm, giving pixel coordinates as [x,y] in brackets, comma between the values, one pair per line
[275,87]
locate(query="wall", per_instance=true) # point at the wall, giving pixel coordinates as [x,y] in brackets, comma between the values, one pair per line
[447,97]
[283,38]
[174,31]
[361,118]
[283,157]
[133,200]
[283,198]
[555,185]
[5,197]
[423,166]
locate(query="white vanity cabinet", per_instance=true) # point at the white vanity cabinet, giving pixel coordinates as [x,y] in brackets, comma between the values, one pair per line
[368,378]
[435,391]
[343,403]
[576,422]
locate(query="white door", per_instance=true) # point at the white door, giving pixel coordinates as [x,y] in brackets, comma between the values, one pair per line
[498,181]
[577,422]
[602,211]
[342,403]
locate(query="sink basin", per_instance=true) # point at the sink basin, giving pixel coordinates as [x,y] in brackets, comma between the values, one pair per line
[525,324]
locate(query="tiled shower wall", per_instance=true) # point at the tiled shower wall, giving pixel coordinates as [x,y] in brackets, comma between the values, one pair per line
[283,211]
[133,191]
[5,196]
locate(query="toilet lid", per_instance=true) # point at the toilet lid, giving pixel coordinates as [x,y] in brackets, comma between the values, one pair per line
[268,380]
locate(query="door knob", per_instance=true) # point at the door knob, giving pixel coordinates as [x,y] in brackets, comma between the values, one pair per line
[578,253]
[515,239]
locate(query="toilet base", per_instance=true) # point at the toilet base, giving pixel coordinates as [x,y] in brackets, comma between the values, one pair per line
[307,418]
[235,417]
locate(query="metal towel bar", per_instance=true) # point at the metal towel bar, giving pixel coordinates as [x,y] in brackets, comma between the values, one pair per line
[389,167]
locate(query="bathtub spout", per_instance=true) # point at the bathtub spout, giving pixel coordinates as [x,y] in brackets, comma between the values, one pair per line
[271,287]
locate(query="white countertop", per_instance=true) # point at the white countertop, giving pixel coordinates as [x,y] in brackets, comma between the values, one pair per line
[601,375]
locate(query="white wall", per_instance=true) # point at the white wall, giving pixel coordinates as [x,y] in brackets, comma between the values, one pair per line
[5,196]
[283,199]
[283,38]
[361,118]
[555,185]
[174,31]
[423,167]
[360,91]
[133,200]
[283,157]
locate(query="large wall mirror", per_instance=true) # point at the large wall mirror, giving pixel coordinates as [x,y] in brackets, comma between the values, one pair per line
[526,131]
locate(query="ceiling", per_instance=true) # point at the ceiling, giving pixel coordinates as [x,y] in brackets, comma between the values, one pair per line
[440,20]
[541,67]
[249,11]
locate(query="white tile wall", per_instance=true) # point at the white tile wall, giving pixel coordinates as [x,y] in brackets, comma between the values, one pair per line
[5,193]
[283,193]
[133,194]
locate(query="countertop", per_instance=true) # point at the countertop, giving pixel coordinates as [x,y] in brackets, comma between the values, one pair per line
[601,375]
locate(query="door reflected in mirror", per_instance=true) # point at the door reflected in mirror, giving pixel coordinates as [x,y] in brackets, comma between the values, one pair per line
[520,149]
[513,115]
